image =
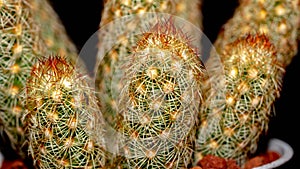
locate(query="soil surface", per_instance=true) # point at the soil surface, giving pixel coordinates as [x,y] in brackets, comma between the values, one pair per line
[213,162]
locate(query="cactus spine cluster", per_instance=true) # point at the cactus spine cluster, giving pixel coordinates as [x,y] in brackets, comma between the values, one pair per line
[238,115]
[28,29]
[62,116]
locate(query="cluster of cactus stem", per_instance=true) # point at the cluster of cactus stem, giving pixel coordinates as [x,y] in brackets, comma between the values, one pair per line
[28,29]
[62,116]
[152,86]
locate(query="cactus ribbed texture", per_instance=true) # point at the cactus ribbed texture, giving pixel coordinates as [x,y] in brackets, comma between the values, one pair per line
[159,100]
[122,38]
[28,29]
[237,116]
[62,112]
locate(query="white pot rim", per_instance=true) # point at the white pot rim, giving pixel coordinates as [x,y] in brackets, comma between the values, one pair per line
[284,149]
[1,159]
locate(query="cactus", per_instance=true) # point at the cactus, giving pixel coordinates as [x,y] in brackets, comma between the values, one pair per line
[62,112]
[20,47]
[121,29]
[278,19]
[158,99]
[236,117]
[115,9]
[25,35]
[272,26]
[121,37]
[54,33]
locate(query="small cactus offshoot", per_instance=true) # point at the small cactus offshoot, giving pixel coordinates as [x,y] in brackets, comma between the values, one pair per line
[62,117]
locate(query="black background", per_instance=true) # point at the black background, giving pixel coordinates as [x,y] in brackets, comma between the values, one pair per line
[81,20]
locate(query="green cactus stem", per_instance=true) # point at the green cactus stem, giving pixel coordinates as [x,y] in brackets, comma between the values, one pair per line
[115,9]
[19,49]
[273,27]
[158,100]
[53,31]
[28,29]
[62,117]
[237,116]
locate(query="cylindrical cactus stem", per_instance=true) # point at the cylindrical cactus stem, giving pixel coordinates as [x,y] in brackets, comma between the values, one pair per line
[62,117]
[115,9]
[53,31]
[158,104]
[234,124]
[119,37]
[20,46]
[278,19]
[28,29]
